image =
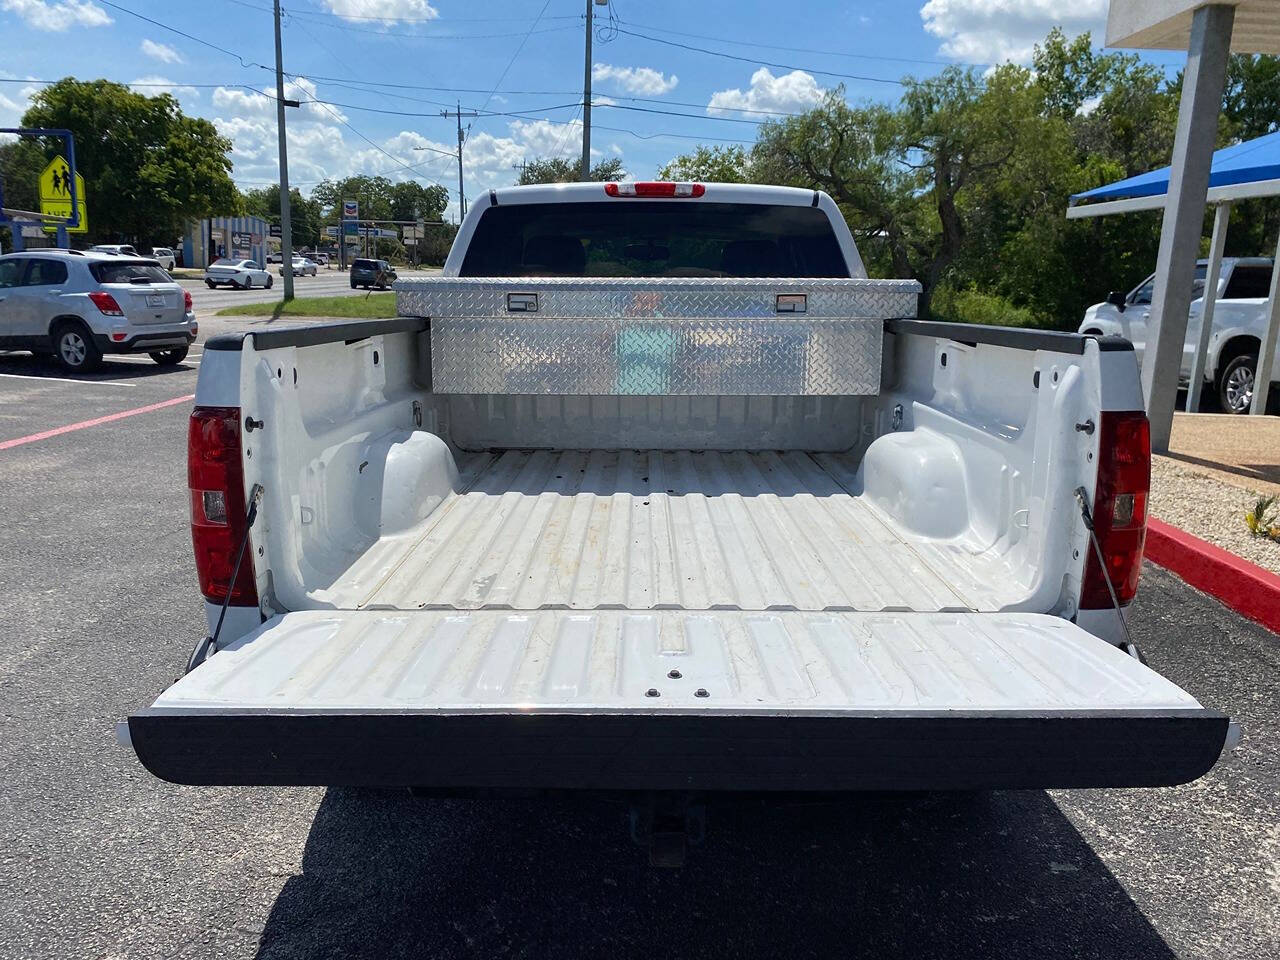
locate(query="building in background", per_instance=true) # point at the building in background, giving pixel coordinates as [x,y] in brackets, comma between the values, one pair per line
[239,238]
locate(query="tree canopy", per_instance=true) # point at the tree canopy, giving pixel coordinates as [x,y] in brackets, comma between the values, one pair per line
[714,164]
[560,170]
[964,182]
[304,213]
[148,168]
[381,199]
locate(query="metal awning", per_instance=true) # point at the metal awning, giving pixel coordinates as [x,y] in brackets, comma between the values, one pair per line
[1238,172]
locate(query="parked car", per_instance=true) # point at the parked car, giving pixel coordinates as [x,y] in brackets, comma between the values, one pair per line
[371,273]
[237,273]
[164,256]
[78,306]
[601,540]
[320,258]
[275,257]
[302,266]
[119,249]
[1240,320]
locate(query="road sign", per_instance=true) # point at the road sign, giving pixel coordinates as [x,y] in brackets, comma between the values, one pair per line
[350,210]
[274,229]
[55,195]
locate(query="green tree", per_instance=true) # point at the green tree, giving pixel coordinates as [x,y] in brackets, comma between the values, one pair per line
[410,200]
[149,169]
[304,213]
[714,164]
[560,170]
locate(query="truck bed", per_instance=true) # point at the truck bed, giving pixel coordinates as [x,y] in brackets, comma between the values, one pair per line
[678,530]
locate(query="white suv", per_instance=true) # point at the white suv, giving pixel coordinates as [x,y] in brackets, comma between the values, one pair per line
[78,306]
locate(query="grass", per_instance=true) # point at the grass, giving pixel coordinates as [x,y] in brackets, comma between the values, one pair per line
[368,306]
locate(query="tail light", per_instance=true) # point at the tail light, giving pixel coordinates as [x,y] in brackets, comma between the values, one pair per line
[654,189]
[215,477]
[186,300]
[1119,508]
[106,303]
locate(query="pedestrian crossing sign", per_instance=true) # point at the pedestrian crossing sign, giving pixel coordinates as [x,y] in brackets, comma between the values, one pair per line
[55,196]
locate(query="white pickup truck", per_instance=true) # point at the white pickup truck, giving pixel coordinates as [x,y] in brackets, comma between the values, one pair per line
[654,491]
[1240,319]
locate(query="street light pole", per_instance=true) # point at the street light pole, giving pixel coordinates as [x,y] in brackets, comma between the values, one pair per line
[286,221]
[585,172]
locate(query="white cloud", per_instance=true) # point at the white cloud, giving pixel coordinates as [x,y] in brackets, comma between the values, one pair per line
[160,51]
[789,93]
[14,102]
[384,9]
[153,85]
[993,31]
[57,15]
[644,80]
[321,147]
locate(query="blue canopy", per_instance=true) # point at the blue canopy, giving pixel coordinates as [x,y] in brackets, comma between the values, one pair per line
[1247,162]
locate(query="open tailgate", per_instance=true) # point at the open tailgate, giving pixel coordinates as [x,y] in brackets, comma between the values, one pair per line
[675,700]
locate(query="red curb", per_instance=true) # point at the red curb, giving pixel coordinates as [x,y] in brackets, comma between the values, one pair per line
[1245,587]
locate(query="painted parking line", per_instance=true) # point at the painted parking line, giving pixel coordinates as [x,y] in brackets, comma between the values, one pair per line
[107,383]
[96,422]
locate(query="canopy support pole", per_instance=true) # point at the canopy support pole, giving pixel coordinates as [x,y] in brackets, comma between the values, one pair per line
[1202,86]
[1267,355]
[1221,219]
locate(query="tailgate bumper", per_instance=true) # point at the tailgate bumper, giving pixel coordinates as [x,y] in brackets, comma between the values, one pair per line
[854,750]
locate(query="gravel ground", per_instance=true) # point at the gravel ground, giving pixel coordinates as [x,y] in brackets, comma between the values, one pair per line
[1210,509]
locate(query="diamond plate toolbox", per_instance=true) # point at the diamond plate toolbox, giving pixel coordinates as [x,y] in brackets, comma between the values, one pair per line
[656,337]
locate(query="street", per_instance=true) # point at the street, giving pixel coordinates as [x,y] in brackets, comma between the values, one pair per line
[327,283]
[101,860]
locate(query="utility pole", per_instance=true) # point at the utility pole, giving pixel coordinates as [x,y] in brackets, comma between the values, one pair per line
[459,113]
[286,221]
[522,166]
[585,172]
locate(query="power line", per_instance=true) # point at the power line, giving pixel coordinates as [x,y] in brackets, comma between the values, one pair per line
[182,33]
[523,41]
[825,53]
[762,63]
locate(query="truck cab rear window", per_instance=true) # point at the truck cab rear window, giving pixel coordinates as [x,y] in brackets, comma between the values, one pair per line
[669,238]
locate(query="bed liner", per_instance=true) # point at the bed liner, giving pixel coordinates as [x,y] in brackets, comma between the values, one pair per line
[600,529]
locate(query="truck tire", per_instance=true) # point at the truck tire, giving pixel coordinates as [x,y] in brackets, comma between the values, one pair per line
[1235,383]
[73,347]
[169,358]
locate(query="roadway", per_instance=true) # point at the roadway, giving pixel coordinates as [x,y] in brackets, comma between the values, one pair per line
[327,283]
[99,859]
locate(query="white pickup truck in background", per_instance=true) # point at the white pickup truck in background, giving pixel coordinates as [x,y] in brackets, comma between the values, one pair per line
[1240,320]
[654,491]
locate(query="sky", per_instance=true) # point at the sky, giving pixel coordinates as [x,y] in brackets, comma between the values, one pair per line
[374,75]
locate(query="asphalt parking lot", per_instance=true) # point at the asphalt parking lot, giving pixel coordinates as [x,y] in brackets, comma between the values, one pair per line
[98,859]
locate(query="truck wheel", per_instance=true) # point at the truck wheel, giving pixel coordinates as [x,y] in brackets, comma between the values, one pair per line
[1235,384]
[169,358]
[74,348]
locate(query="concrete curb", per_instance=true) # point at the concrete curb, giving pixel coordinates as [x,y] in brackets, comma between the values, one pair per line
[1243,586]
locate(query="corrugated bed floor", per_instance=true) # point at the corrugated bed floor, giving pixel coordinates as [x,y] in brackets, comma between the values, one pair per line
[598,529]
